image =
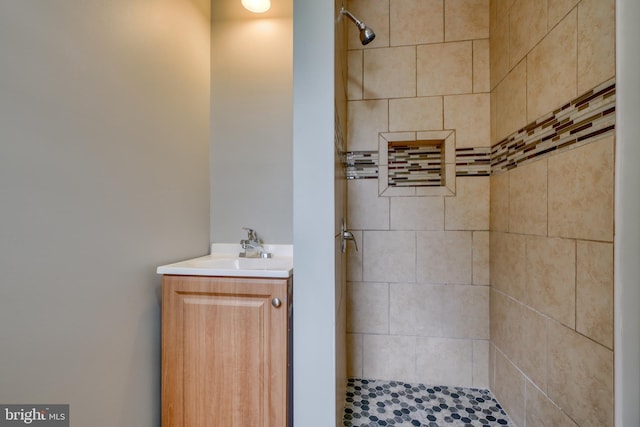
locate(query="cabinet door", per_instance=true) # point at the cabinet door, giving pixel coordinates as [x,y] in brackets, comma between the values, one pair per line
[224,352]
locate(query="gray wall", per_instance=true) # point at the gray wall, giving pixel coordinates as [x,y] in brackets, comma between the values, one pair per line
[314,342]
[627,239]
[251,122]
[104,151]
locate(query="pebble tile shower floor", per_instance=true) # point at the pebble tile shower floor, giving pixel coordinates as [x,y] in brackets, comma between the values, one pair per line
[372,403]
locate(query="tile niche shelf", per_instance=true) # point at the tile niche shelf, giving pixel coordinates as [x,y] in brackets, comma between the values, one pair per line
[417,163]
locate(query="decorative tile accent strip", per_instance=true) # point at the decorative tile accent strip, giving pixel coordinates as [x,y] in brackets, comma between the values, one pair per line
[415,163]
[576,123]
[372,403]
[361,164]
[473,161]
[469,162]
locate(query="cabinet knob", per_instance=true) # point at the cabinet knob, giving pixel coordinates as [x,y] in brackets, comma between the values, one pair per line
[276,302]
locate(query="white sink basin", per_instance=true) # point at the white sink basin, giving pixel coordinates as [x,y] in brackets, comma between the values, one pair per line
[224,261]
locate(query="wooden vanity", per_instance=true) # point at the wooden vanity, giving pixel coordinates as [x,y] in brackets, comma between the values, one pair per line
[226,351]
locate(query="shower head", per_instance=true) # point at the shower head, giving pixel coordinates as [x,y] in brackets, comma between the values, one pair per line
[366,33]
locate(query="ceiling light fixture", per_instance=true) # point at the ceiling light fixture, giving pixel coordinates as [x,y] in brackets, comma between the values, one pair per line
[257,6]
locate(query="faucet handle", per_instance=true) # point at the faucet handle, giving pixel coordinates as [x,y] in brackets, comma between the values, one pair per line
[251,234]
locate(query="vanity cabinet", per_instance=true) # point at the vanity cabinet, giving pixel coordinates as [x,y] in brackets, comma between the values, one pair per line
[226,351]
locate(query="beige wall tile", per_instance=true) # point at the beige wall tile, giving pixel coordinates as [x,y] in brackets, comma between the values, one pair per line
[551,277]
[466,20]
[413,114]
[508,263]
[596,43]
[444,257]
[444,361]
[354,259]
[481,271]
[445,68]
[503,7]
[527,26]
[511,102]
[528,198]
[481,363]
[558,9]
[354,355]
[416,22]
[469,116]
[365,210]
[553,60]
[493,13]
[416,309]
[469,208]
[531,353]
[417,213]
[492,366]
[510,388]
[375,13]
[498,316]
[494,106]
[581,185]
[380,349]
[389,72]
[465,311]
[594,291]
[506,324]
[542,412]
[481,66]
[499,52]
[367,307]
[580,377]
[389,256]
[365,120]
[499,203]
[354,73]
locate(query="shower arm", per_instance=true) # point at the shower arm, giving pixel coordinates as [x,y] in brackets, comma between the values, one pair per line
[359,23]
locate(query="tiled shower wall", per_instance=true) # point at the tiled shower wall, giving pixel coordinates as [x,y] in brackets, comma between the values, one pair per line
[340,97]
[552,219]
[418,289]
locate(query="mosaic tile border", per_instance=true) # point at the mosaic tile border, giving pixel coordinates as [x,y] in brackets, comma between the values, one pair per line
[361,164]
[372,403]
[585,119]
[469,162]
[473,161]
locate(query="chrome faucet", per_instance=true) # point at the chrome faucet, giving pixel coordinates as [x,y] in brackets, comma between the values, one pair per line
[252,246]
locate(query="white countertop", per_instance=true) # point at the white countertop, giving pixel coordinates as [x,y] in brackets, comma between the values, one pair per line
[224,261]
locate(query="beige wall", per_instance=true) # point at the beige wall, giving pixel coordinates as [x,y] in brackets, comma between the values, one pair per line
[104,110]
[552,220]
[418,289]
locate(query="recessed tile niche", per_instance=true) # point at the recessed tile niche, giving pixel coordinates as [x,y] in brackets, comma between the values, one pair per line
[417,163]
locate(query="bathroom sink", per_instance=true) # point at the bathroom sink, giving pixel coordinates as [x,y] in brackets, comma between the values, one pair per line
[224,261]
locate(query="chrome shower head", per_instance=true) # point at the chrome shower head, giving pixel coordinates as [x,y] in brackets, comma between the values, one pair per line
[366,34]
